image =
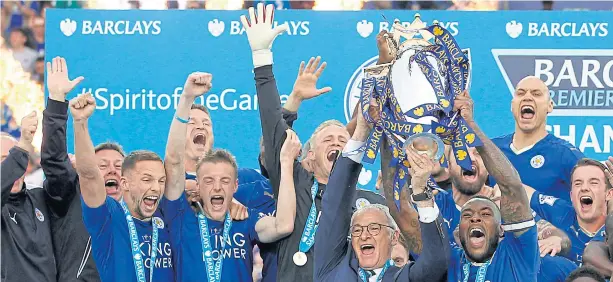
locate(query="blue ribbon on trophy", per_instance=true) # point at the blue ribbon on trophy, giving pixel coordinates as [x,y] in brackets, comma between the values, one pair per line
[438,71]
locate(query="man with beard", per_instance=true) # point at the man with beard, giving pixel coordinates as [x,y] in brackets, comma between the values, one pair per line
[217,180]
[70,238]
[583,219]
[542,160]
[27,250]
[295,256]
[373,231]
[482,255]
[128,243]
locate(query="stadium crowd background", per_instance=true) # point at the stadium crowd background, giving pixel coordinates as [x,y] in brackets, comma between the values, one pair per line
[22,44]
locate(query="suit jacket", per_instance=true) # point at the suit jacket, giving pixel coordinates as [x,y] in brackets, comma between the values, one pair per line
[335,259]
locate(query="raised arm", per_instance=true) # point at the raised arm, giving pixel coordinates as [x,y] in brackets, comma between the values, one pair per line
[90,178]
[406,218]
[15,164]
[271,229]
[514,203]
[197,83]
[433,262]
[60,176]
[336,206]
[261,35]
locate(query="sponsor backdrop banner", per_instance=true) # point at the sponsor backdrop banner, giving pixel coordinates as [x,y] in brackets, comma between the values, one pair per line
[135,63]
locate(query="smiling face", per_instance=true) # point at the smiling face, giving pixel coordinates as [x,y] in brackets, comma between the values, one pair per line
[589,192]
[372,247]
[143,183]
[531,104]
[199,134]
[109,163]
[468,182]
[328,142]
[479,229]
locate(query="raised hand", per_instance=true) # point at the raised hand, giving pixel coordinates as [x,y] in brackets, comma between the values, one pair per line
[464,103]
[305,86]
[420,170]
[29,124]
[197,83]
[261,34]
[385,54]
[58,82]
[82,107]
[291,148]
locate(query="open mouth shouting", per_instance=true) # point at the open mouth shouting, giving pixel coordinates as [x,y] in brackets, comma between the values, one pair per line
[217,202]
[476,237]
[527,112]
[150,203]
[331,155]
[470,176]
[586,203]
[199,141]
[112,187]
[367,249]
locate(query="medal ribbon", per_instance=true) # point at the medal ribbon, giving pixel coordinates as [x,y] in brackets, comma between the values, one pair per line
[213,269]
[139,265]
[480,273]
[380,276]
[310,228]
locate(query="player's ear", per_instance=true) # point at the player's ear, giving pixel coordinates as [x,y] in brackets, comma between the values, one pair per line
[609,195]
[550,106]
[123,184]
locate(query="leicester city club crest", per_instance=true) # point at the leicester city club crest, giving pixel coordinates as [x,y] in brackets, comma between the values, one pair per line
[39,215]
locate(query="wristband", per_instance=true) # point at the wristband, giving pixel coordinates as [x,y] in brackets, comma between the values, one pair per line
[182,120]
[518,226]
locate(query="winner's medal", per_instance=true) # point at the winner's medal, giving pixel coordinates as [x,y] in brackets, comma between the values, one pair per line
[300,258]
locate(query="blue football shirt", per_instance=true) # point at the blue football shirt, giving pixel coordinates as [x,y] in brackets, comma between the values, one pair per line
[545,166]
[111,249]
[516,259]
[449,211]
[555,269]
[185,237]
[562,215]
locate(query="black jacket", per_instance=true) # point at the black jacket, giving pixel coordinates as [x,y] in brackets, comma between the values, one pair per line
[70,238]
[335,259]
[27,251]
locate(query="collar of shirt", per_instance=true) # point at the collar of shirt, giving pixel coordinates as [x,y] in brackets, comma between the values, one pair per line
[373,277]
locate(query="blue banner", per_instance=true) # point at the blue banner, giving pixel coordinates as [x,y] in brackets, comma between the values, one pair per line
[135,63]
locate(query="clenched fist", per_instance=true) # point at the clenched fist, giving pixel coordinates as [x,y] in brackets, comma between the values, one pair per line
[58,82]
[197,83]
[82,107]
[291,147]
[29,124]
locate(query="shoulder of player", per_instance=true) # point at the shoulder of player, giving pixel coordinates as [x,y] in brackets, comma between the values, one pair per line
[503,139]
[559,146]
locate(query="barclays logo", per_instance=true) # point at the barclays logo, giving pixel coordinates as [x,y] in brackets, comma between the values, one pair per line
[364,28]
[216,27]
[68,27]
[514,29]
[552,29]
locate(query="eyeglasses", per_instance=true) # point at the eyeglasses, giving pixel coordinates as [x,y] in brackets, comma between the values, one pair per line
[373,229]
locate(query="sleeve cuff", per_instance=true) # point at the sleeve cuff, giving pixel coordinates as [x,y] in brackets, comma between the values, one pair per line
[428,214]
[56,107]
[352,152]
[262,58]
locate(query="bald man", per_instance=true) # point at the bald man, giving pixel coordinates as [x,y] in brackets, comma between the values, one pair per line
[543,160]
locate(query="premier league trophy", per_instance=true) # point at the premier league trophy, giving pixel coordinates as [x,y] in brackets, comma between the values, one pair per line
[414,94]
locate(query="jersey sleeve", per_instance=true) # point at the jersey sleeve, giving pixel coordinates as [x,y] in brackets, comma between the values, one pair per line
[557,211]
[174,211]
[98,221]
[523,252]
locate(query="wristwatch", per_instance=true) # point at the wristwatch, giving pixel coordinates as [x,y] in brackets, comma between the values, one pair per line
[426,195]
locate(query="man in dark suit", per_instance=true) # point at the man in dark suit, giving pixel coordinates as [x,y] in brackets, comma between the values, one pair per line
[373,231]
